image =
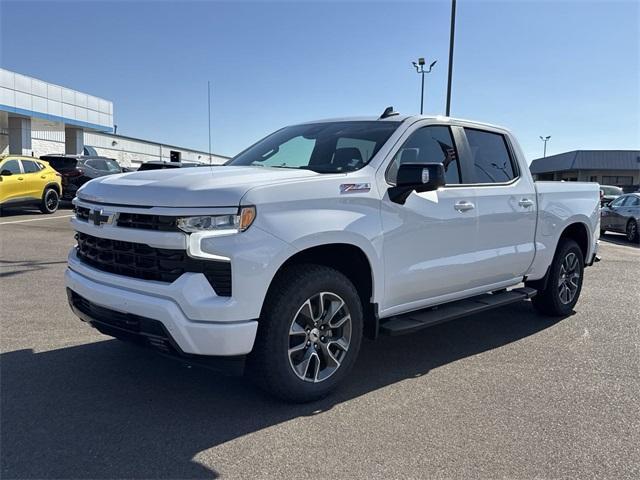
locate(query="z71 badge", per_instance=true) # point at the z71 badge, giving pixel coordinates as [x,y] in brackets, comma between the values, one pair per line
[355,187]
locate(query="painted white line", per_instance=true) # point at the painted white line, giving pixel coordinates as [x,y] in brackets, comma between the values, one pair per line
[36,219]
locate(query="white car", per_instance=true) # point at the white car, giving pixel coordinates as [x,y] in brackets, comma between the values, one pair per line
[322,233]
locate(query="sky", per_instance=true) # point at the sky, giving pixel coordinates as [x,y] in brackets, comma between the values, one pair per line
[569,69]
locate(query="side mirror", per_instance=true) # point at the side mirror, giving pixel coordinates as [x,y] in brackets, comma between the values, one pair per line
[6,173]
[418,177]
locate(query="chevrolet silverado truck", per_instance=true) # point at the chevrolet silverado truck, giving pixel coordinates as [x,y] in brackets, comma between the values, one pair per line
[279,262]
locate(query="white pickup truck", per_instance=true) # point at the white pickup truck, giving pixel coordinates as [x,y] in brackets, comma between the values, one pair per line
[321,233]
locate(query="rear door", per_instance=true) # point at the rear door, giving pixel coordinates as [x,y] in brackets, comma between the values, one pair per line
[34,179]
[506,206]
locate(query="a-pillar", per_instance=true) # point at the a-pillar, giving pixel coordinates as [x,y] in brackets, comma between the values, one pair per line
[19,136]
[73,140]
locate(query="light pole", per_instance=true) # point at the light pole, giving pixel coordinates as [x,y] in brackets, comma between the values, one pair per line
[209,114]
[452,34]
[545,140]
[420,69]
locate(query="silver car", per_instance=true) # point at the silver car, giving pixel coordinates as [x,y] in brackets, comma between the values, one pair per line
[622,215]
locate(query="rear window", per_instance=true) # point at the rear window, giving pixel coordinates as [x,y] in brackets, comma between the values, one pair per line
[610,190]
[61,163]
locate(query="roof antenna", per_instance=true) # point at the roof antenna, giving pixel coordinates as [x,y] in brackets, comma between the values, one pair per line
[388,112]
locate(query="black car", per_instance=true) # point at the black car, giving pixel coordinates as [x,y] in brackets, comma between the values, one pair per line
[622,216]
[158,165]
[76,170]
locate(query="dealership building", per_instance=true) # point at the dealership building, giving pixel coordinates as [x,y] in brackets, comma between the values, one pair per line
[40,118]
[606,167]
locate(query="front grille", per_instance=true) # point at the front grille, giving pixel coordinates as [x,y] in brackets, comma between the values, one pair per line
[147,222]
[138,260]
[82,213]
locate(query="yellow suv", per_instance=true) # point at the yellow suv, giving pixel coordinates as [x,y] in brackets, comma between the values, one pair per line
[29,181]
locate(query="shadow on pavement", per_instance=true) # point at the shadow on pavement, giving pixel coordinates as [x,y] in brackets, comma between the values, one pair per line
[111,410]
[24,266]
[618,239]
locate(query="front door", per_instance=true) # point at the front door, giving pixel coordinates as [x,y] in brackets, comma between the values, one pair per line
[12,184]
[429,242]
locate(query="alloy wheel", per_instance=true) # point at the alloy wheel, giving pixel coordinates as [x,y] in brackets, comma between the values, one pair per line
[51,200]
[319,337]
[632,231]
[569,280]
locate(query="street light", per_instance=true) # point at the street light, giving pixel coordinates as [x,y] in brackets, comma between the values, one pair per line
[545,140]
[420,69]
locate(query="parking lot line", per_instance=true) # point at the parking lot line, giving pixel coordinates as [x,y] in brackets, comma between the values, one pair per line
[36,219]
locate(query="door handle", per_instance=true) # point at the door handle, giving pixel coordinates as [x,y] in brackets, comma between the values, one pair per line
[43,176]
[463,206]
[20,178]
[526,202]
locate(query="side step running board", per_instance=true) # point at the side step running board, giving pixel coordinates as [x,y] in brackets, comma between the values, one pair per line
[410,322]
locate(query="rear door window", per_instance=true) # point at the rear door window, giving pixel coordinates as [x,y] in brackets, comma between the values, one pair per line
[492,162]
[97,164]
[30,166]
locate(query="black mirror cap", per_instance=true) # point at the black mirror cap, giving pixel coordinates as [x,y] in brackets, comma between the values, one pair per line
[418,177]
[5,173]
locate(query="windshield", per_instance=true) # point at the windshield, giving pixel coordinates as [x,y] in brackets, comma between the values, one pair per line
[331,147]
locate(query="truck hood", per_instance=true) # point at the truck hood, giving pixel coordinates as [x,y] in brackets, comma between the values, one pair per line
[186,187]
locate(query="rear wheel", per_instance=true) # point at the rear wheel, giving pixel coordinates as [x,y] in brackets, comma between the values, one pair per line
[632,231]
[564,283]
[50,201]
[309,335]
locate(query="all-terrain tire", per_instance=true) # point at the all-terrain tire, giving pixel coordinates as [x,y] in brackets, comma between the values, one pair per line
[556,299]
[270,364]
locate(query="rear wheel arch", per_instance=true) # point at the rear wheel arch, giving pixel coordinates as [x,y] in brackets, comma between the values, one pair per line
[53,185]
[579,233]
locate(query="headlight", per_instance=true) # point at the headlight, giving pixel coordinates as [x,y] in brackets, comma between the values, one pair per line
[223,224]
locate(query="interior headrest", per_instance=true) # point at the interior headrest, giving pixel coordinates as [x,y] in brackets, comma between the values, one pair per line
[347,157]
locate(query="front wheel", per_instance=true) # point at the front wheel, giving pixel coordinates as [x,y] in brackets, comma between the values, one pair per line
[50,201]
[564,283]
[309,335]
[632,231]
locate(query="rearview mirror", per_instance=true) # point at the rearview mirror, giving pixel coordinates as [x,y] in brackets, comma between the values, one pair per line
[418,177]
[6,173]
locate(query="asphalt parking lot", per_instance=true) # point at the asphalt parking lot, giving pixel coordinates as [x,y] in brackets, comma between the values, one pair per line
[506,394]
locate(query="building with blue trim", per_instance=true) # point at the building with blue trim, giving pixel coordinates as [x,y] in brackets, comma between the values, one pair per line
[39,118]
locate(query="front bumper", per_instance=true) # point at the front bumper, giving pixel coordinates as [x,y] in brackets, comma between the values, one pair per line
[183,308]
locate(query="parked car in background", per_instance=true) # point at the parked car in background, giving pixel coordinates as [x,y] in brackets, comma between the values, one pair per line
[609,193]
[159,165]
[26,181]
[76,170]
[622,216]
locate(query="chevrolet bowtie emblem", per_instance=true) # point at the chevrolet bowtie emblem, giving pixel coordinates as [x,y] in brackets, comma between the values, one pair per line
[98,217]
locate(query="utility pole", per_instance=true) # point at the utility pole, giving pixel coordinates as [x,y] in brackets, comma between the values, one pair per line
[545,140]
[209,111]
[452,34]
[420,69]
